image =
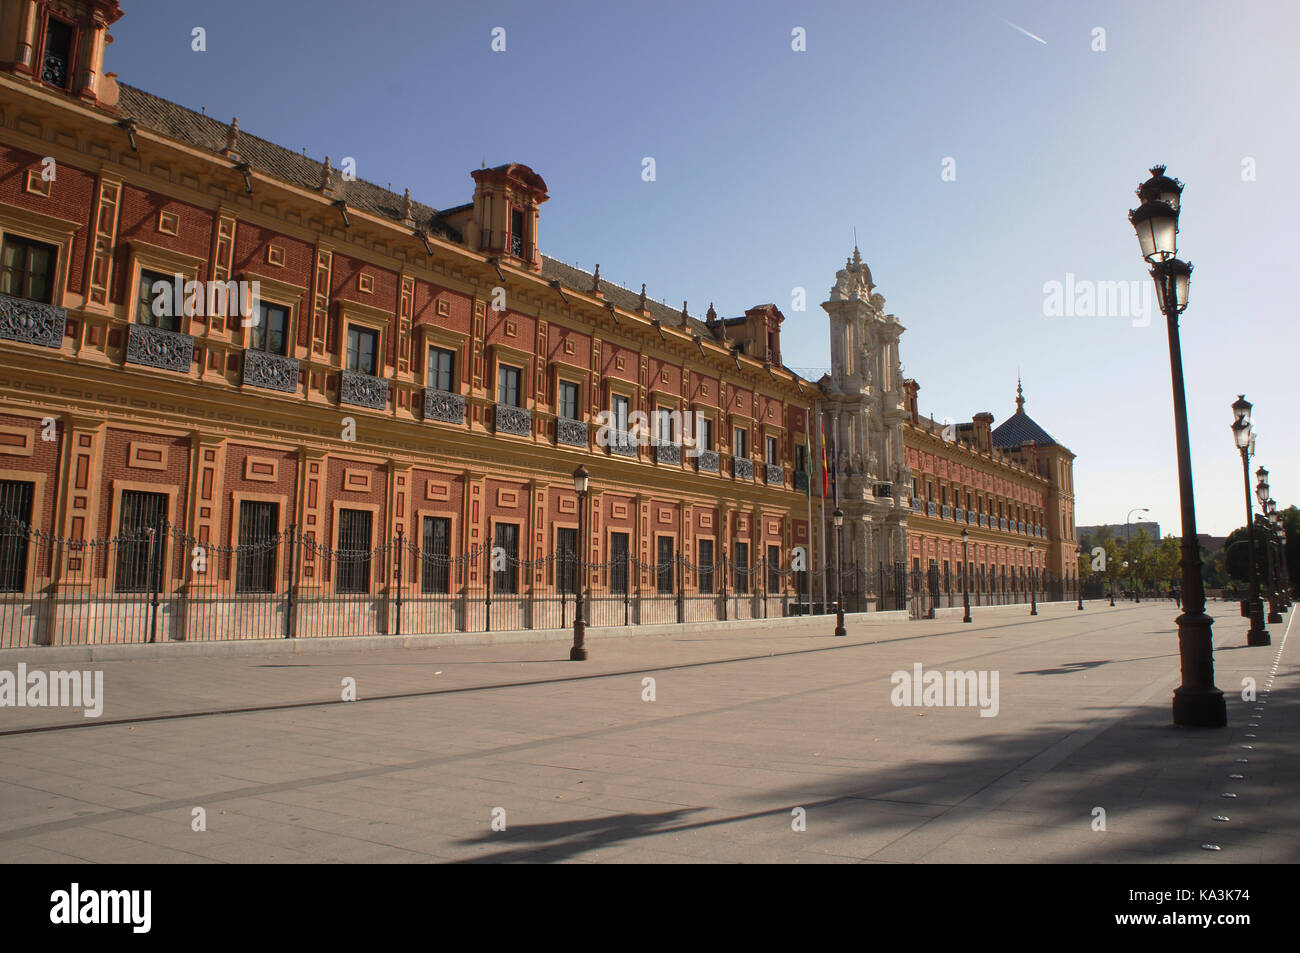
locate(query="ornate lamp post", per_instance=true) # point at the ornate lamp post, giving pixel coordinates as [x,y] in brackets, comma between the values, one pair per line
[1078,579]
[838,516]
[1128,536]
[965,573]
[581,481]
[1271,514]
[1244,436]
[1033,589]
[1197,701]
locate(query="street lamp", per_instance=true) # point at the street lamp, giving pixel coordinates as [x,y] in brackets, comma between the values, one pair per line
[838,516]
[1244,437]
[1274,602]
[1128,533]
[1197,701]
[965,573]
[581,481]
[1033,589]
[1078,579]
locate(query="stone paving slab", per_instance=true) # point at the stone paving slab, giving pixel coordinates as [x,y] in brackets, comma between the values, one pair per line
[747,730]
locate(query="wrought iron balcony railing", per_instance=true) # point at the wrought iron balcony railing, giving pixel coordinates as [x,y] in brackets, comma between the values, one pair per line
[774,474]
[272,371]
[444,405]
[622,443]
[801,480]
[708,461]
[363,390]
[572,433]
[668,453]
[883,489]
[514,420]
[742,468]
[154,347]
[32,322]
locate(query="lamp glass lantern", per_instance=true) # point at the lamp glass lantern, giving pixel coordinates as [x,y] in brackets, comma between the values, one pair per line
[838,516]
[1161,188]
[1156,224]
[1182,273]
[581,479]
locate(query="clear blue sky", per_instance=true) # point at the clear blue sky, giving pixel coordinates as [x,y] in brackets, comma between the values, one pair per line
[767,159]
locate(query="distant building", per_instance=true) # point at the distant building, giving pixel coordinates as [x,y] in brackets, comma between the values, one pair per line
[1121,531]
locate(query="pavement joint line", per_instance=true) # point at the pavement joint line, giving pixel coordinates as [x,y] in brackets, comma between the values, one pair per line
[398,696]
[377,770]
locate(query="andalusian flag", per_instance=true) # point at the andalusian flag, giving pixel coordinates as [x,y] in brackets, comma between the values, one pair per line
[826,471]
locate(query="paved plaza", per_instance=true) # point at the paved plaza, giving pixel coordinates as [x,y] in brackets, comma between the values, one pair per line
[776,744]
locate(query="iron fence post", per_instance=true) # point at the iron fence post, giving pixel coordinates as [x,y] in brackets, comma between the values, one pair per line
[293,571]
[400,560]
[681,606]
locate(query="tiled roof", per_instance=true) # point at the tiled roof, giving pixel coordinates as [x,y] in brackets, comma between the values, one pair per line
[176,122]
[1020,429]
[624,298]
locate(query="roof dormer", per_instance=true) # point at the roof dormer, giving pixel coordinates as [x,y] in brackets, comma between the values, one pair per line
[60,44]
[504,218]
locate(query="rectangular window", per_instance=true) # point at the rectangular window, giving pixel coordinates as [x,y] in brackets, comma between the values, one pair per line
[741,559]
[740,443]
[773,569]
[666,564]
[665,432]
[158,305]
[27,269]
[259,524]
[508,385]
[506,580]
[704,439]
[141,541]
[800,458]
[566,557]
[15,526]
[618,406]
[517,241]
[353,552]
[567,400]
[363,350]
[269,333]
[618,553]
[435,554]
[705,565]
[773,451]
[442,367]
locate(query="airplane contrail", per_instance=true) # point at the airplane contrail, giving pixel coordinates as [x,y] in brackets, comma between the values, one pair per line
[1025,32]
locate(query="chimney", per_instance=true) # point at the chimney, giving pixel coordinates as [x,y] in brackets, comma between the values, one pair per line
[983,431]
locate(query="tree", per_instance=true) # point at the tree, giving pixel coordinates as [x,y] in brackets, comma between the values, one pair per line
[1166,558]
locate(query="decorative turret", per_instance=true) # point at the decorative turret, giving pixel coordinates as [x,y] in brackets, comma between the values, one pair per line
[61,46]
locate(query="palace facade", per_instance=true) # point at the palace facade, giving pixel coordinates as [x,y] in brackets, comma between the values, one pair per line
[398,411]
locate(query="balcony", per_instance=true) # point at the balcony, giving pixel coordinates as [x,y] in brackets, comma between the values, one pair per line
[932,509]
[572,433]
[154,347]
[742,468]
[444,405]
[918,505]
[883,490]
[947,512]
[668,453]
[774,474]
[621,443]
[514,420]
[32,322]
[959,515]
[707,461]
[272,371]
[363,390]
[1002,524]
[801,480]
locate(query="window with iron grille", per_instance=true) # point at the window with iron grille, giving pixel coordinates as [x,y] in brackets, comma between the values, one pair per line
[774,569]
[56,55]
[27,269]
[15,525]
[567,402]
[269,333]
[140,553]
[618,551]
[363,350]
[158,305]
[442,368]
[506,579]
[435,553]
[517,238]
[259,523]
[664,568]
[705,548]
[742,567]
[508,385]
[566,557]
[352,552]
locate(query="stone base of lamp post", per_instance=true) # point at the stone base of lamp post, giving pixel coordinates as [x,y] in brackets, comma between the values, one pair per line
[1198,705]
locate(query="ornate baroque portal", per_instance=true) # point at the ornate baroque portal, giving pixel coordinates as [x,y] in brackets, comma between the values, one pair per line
[865,409]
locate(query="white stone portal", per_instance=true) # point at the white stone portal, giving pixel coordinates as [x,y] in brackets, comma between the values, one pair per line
[864,412]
